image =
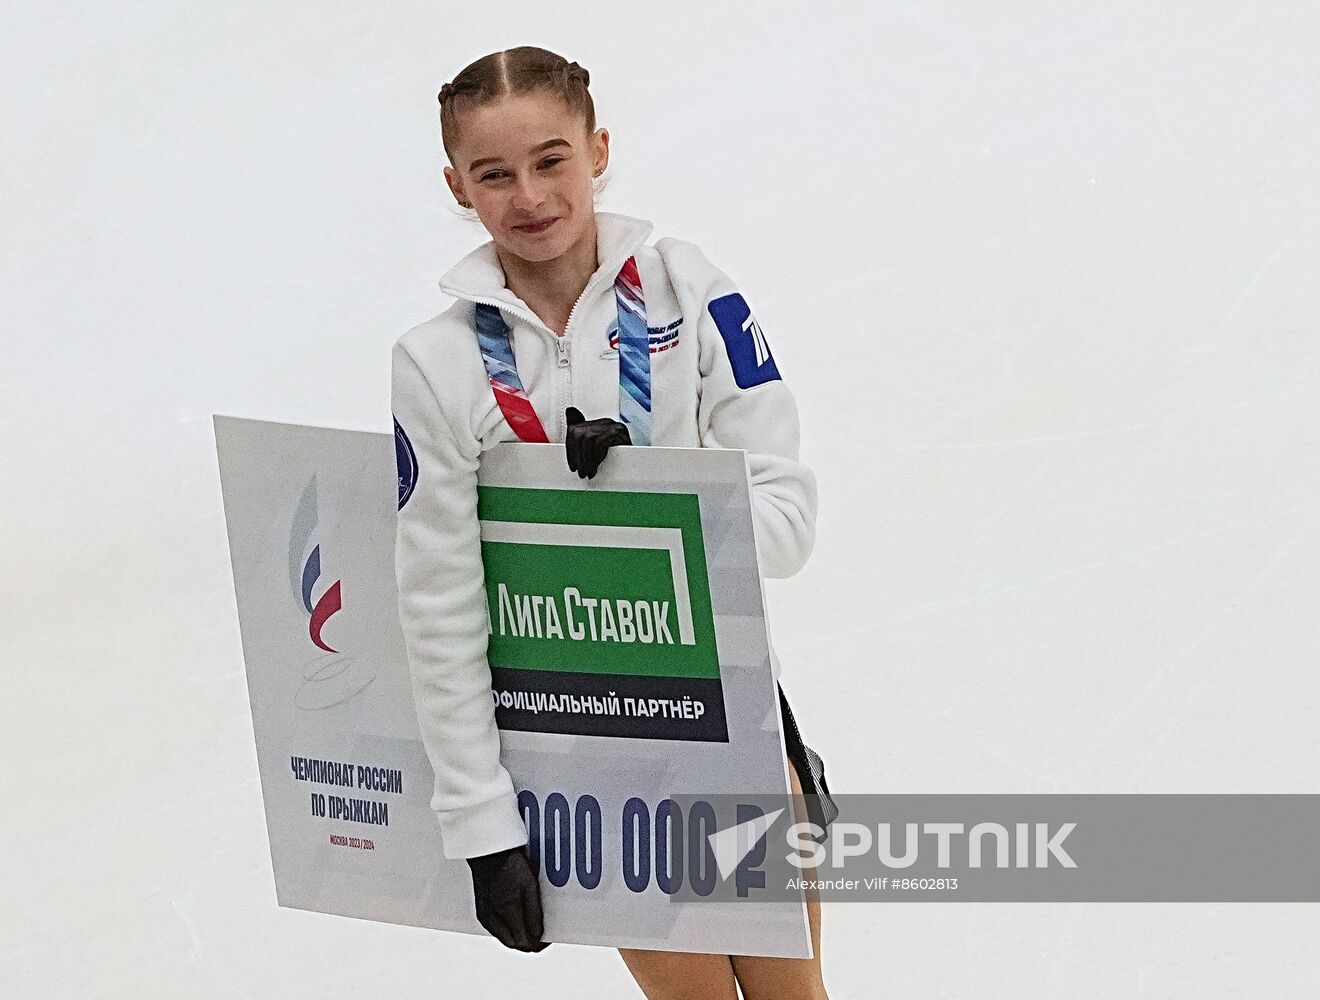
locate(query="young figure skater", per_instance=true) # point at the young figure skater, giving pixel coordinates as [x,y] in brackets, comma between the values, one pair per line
[567,311]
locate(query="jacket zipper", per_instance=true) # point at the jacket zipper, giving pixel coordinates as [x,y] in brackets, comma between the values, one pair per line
[561,339]
[565,379]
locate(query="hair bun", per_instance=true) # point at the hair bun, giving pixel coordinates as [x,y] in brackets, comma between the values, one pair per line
[575,70]
[445,92]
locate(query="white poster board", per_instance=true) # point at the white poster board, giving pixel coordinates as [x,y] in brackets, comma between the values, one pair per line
[345,779]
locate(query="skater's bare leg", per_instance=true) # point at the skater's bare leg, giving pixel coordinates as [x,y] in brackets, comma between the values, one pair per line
[681,975]
[787,978]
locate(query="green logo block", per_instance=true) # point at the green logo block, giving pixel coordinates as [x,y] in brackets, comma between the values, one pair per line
[597,582]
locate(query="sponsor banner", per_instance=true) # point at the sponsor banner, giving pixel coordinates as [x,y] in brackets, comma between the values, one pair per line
[601,614]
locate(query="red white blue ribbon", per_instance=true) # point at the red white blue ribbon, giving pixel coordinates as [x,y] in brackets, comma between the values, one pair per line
[634,364]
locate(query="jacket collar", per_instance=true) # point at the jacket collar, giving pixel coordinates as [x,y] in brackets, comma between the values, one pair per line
[479,276]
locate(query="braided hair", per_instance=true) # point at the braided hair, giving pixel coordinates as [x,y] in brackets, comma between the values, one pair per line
[518,70]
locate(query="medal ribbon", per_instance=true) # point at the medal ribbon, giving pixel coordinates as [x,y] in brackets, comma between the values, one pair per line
[634,364]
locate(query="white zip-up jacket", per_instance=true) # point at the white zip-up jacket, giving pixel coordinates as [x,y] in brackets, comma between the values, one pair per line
[714,385]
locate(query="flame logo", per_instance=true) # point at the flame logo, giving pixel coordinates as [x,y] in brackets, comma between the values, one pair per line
[305,573]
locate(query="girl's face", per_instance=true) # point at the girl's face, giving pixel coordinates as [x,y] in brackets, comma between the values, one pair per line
[525,163]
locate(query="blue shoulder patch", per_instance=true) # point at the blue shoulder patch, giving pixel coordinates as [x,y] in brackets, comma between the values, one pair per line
[406,459]
[749,353]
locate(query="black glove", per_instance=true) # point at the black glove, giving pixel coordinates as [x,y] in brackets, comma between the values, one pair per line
[508,898]
[587,441]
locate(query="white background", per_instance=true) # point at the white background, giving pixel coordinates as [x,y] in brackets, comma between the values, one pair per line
[1042,278]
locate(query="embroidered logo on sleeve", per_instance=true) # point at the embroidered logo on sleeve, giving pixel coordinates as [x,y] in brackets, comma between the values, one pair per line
[748,350]
[406,459]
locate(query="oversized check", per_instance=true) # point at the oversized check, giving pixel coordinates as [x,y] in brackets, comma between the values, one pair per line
[630,672]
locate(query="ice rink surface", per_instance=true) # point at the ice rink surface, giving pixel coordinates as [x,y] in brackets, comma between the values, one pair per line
[1043,280]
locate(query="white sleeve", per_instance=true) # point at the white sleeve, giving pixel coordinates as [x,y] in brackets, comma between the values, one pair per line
[744,403]
[442,611]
